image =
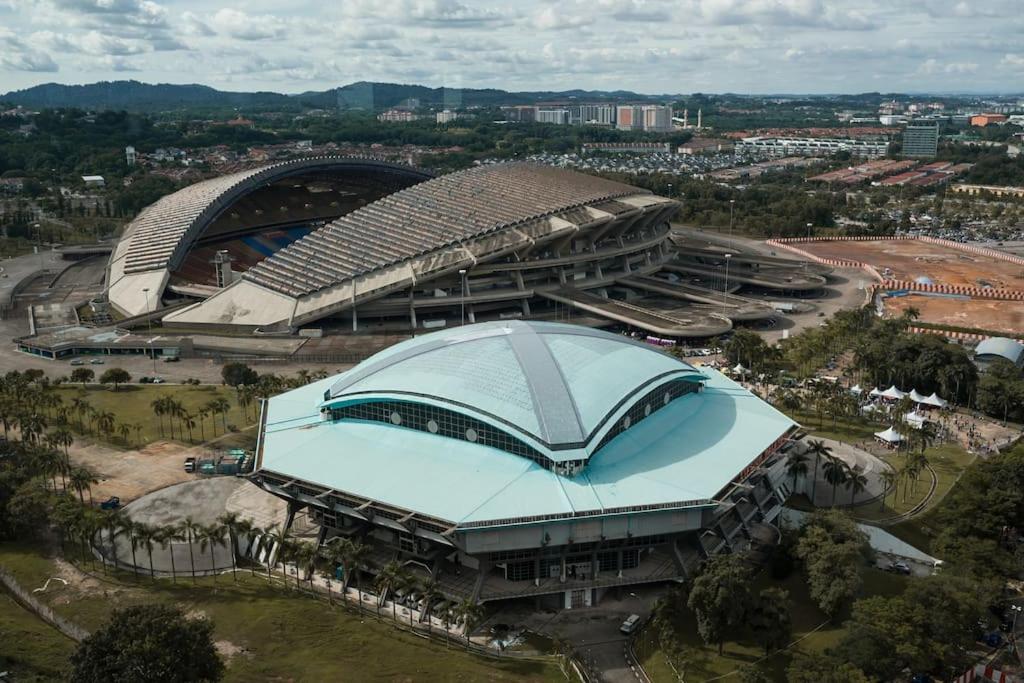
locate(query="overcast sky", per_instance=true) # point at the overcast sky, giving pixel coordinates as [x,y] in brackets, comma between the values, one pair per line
[649,46]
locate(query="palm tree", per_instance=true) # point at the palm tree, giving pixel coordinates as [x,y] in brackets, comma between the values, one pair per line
[447,616]
[835,474]
[431,594]
[145,535]
[390,577]
[63,437]
[191,529]
[889,479]
[159,409]
[124,430]
[232,524]
[469,613]
[127,526]
[796,466]
[112,523]
[167,537]
[856,482]
[409,584]
[355,554]
[210,536]
[105,421]
[276,539]
[221,405]
[819,449]
[82,479]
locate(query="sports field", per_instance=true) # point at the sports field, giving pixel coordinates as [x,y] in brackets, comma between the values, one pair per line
[985,314]
[912,259]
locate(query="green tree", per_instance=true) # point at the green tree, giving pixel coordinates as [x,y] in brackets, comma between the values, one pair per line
[819,449]
[820,668]
[835,474]
[82,375]
[833,551]
[769,619]
[238,374]
[148,644]
[115,376]
[719,598]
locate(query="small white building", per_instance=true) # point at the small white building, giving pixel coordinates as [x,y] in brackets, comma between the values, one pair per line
[94,181]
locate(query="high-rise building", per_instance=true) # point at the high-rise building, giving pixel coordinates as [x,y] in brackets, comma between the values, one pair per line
[657,119]
[446,116]
[558,116]
[129,155]
[920,140]
[629,117]
[594,114]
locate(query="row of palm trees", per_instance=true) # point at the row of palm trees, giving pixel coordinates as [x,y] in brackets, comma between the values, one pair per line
[177,415]
[837,473]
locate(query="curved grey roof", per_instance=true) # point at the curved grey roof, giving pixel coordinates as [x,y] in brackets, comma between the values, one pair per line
[1010,349]
[162,234]
[430,217]
[557,383]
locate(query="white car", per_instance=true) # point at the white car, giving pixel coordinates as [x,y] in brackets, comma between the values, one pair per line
[630,624]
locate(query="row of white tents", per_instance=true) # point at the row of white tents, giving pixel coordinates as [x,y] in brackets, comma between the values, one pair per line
[894,394]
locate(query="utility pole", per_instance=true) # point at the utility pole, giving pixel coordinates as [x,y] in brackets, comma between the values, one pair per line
[725,289]
[732,203]
[462,299]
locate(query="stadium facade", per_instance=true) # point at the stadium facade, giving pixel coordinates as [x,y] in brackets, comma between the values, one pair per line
[343,244]
[529,459]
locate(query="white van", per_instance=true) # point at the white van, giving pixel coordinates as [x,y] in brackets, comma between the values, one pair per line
[630,624]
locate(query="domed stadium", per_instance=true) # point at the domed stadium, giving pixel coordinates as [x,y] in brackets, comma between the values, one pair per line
[335,245]
[514,459]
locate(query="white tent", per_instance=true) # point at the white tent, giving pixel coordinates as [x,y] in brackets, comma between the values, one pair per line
[893,393]
[935,401]
[914,419]
[875,393]
[856,390]
[740,370]
[869,408]
[890,435]
[916,397]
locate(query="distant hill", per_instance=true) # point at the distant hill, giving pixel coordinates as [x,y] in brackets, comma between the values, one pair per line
[146,97]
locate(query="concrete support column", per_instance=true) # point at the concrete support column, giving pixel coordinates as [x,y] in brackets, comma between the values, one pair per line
[536,571]
[412,309]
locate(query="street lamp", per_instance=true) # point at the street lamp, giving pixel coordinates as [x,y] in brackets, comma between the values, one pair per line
[809,225]
[462,299]
[39,243]
[732,203]
[725,289]
[149,327]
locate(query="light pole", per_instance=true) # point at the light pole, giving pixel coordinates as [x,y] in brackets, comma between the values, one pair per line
[462,298]
[809,225]
[732,203]
[39,243]
[149,328]
[1013,629]
[725,289]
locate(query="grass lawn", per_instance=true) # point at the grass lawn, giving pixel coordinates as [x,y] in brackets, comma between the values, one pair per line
[948,460]
[274,633]
[30,649]
[132,404]
[809,628]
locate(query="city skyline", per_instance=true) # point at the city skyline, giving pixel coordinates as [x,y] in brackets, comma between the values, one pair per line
[646,46]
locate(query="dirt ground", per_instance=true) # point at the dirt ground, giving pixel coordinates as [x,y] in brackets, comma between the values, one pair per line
[998,316]
[910,259]
[133,473]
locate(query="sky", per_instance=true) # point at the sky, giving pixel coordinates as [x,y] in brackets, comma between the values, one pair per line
[647,46]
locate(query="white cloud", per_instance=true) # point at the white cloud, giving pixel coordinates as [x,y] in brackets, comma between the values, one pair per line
[550,18]
[238,24]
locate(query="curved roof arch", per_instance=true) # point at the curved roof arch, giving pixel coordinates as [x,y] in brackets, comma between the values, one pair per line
[162,234]
[558,384]
[1010,349]
[159,238]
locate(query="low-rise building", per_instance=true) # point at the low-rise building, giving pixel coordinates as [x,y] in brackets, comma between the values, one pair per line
[812,147]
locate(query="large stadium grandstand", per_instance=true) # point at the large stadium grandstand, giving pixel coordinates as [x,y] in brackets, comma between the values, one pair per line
[529,459]
[342,245]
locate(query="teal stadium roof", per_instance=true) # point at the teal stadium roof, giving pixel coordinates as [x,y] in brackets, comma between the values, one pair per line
[563,390]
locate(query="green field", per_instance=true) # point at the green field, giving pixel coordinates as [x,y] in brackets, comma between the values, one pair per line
[811,632]
[275,633]
[30,649]
[132,404]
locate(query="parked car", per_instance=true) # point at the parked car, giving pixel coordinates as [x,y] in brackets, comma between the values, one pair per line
[96,361]
[899,567]
[993,639]
[170,359]
[111,503]
[190,464]
[157,380]
[630,624]
[144,380]
[77,361]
